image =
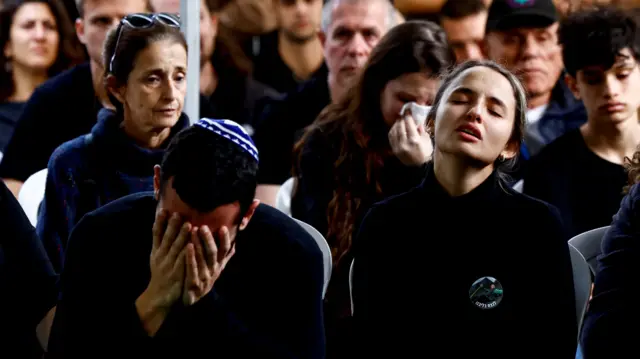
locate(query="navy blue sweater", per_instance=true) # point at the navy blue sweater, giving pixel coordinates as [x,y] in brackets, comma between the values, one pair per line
[91,171]
[267,302]
[611,325]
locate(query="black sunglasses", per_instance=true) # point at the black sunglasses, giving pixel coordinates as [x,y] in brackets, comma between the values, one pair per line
[141,21]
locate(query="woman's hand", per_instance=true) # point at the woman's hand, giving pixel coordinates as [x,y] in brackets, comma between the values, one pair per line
[409,142]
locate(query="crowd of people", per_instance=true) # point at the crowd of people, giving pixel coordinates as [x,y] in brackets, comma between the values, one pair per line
[460,150]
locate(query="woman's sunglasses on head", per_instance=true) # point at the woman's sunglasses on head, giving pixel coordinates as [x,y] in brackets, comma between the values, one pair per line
[141,21]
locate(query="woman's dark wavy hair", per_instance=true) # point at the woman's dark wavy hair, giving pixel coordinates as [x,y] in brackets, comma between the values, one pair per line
[70,51]
[356,126]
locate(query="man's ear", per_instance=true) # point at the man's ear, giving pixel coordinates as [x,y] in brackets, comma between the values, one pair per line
[572,84]
[156,182]
[115,89]
[247,216]
[80,30]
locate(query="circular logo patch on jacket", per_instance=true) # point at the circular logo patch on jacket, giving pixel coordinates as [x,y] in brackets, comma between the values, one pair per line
[486,293]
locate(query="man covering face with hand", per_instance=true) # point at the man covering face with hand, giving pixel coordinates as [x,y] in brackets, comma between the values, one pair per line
[197,268]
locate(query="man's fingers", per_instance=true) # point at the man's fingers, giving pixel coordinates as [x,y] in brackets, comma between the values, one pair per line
[179,242]
[170,233]
[211,250]
[225,244]
[159,226]
[191,278]
[200,259]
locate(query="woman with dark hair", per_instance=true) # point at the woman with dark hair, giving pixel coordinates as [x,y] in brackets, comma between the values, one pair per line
[37,42]
[145,60]
[362,150]
[464,226]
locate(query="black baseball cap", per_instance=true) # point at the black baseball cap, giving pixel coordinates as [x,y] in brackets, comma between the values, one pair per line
[510,14]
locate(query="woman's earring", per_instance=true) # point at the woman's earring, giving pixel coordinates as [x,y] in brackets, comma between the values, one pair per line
[7,66]
[502,158]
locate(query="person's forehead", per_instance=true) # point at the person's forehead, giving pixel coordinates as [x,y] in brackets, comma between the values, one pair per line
[483,80]
[359,14]
[163,54]
[467,27]
[109,8]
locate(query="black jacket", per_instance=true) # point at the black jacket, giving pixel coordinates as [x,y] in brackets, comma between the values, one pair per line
[418,256]
[266,304]
[611,325]
[28,283]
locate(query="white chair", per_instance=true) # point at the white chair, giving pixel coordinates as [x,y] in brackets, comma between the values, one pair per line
[31,195]
[581,284]
[283,198]
[326,252]
[589,245]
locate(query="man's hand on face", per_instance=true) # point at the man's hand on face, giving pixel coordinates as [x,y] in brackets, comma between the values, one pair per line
[167,265]
[205,261]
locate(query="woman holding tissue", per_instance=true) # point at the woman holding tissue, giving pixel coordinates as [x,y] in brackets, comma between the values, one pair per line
[484,270]
[362,150]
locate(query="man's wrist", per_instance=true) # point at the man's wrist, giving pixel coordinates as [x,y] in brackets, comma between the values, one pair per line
[152,314]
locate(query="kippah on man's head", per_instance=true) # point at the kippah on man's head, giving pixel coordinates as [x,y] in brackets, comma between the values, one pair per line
[211,163]
[232,132]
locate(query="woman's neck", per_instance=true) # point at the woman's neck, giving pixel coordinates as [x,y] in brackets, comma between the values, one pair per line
[145,139]
[612,141]
[457,176]
[26,81]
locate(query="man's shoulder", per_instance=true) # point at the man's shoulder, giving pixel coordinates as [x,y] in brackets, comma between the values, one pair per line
[68,82]
[125,212]
[282,232]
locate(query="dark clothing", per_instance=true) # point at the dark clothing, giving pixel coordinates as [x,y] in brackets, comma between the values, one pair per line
[61,109]
[267,302]
[282,124]
[270,69]
[9,114]
[91,171]
[316,181]
[28,284]
[425,249]
[240,99]
[564,113]
[586,188]
[611,324]
[314,190]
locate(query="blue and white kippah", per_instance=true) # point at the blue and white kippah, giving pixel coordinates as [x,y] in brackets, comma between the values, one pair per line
[231,131]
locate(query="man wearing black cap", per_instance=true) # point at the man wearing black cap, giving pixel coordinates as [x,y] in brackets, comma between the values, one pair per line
[522,35]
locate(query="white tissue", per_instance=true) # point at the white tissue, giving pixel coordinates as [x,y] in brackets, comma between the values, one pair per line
[418,112]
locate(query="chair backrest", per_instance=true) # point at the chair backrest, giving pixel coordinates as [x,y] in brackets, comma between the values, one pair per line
[519,186]
[581,284]
[31,195]
[326,252]
[589,245]
[283,198]
[351,284]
